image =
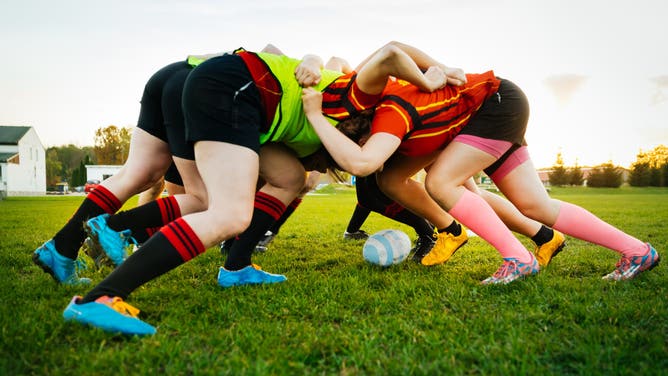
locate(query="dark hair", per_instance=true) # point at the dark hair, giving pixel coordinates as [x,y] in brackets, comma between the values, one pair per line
[358,126]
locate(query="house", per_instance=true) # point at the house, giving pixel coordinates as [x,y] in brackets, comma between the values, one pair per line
[22,162]
[101,172]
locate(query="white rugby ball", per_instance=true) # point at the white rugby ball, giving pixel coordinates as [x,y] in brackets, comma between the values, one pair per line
[387,247]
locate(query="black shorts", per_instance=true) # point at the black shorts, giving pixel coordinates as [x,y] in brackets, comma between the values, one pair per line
[172,175]
[161,114]
[503,116]
[222,103]
[369,195]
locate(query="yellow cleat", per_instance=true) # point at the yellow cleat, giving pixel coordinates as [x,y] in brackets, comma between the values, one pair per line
[446,246]
[546,252]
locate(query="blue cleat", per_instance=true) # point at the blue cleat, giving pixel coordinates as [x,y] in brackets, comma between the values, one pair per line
[61,268]
[630,267]
[100,259]
[109,314]
[113,243]
[511,270]
[250,275]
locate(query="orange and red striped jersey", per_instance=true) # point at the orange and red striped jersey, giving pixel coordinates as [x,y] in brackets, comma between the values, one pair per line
[342,98]
[426,122]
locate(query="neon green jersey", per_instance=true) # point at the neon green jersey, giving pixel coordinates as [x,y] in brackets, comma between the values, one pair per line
[290,126]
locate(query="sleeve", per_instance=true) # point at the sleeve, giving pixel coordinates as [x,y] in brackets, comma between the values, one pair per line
[390,118]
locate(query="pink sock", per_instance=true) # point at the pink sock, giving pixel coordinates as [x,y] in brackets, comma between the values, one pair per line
[578,222]
[472,211]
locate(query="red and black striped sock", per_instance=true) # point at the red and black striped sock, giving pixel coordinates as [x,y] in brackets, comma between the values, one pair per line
[400,214]
[148,216]
[175,244]
[268,209]
[69,239]
[276,227]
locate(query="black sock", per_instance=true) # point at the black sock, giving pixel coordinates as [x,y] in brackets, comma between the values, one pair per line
[163,252]
[153,214]
[276,227]
[357,219]
[422,226]
[543,235]
[454,228]
[70,238]
[267,210]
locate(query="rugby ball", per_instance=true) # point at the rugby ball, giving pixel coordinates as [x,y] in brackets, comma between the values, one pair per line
[387,247]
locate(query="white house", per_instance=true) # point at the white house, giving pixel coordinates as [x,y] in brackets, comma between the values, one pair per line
[22,162]
[101,172]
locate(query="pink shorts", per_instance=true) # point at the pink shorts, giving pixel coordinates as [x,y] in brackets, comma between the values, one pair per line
[508,155]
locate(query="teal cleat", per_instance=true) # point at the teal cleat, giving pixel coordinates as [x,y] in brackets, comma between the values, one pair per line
[250,275]
[61,268]
[109,314]
[512,269]
[630,267]
[116,245]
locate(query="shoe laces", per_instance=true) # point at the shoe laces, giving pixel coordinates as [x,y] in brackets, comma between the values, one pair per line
[507,268]
[443,236]
[127,235]
[80,264]
[118,305]
[623,263]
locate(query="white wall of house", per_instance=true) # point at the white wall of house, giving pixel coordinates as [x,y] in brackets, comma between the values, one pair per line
[28,176]
[101,172]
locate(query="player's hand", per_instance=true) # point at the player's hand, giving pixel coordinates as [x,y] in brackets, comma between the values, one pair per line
[312,101]
[456,76]
[436,78]
[307,75]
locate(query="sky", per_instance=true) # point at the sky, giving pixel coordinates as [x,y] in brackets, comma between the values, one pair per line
[595,72]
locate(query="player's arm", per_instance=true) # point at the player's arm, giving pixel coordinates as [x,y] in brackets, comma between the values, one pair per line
[455,76]
[271,49]
[392,61]
[338,64]
[408,63]
[357,160]
[308,72]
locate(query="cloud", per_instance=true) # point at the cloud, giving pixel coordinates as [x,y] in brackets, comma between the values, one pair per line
[564,86]
[661,86]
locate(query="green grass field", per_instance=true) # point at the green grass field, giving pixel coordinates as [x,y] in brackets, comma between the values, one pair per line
[338,315]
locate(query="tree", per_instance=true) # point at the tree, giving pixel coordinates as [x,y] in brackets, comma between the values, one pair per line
[605,175]
[79,174]
[649,169]
[53,168]
[112,145]
[70,157]
[558,175]
[575,176]
[640,175]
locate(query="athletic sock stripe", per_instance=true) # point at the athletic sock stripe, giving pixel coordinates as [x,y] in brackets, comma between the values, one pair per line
[295,203]
[269,204]
[269,200]
[169,209]
[174,210]
[106,200]
[181,236]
